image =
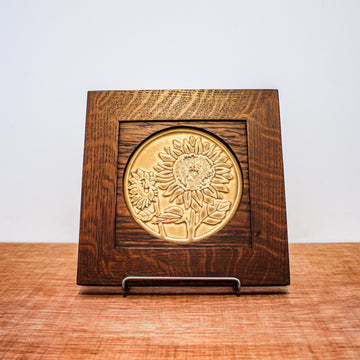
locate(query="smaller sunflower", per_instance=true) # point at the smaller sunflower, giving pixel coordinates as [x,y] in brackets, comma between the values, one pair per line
[193,172]
[142,190]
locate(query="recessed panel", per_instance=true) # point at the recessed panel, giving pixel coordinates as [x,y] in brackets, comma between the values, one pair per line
[182,184]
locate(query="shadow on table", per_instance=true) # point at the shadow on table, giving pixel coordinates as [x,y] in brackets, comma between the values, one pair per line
[180,290]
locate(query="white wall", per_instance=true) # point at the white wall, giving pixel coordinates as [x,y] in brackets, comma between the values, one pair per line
[52,52]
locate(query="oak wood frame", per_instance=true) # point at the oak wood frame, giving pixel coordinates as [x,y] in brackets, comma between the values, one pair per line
[264,263]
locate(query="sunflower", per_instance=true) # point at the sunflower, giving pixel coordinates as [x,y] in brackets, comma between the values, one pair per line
[142,190]
[193,172]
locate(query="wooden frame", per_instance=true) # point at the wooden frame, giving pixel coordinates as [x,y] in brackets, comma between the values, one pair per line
[263,262]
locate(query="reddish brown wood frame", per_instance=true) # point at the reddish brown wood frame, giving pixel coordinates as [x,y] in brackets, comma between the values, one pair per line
[265,262]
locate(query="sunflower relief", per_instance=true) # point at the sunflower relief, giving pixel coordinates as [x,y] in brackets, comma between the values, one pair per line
[192,189]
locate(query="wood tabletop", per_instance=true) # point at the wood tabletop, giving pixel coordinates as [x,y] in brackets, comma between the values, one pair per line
[45,315]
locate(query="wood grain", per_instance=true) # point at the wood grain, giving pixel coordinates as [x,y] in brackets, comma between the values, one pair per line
[103,262]
[44,315]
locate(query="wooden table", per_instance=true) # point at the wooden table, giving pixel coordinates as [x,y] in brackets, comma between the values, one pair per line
[45,315]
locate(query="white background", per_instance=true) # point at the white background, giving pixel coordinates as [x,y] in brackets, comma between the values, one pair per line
[53,52]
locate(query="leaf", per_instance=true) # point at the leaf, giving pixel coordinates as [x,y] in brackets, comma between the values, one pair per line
[145,215]
[174,210]
[171,215]
[204,212]
[214,214]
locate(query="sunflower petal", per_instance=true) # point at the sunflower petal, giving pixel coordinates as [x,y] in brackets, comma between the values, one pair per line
[180,199]
[164,185]
[221,158]
[218,179]
[210,151]
[221,187]
[223,164]
[215,155]
[158,167]
[192,140]
[187,147]
[167,165]
[222,170]
[206,146]
[166,157]
[165,173]
[195,206]
[177,192]
[177,144]
[210,191]
[187,199]
[208,199]
[173,153]
[196,197]
[200,195]
[227,176]
[135,198]
[198,146]
[165,180]
[170,189]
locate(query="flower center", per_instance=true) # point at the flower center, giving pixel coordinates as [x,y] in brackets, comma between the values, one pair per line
[193,172]
[144,189]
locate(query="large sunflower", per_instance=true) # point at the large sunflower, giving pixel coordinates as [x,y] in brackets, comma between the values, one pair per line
[193,172]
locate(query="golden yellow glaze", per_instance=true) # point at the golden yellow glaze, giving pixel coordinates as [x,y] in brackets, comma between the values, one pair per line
[182,184]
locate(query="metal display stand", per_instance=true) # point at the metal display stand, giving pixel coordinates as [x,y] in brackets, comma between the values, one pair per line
[173,281]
